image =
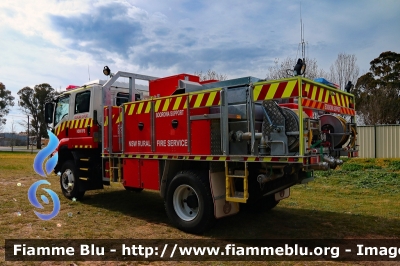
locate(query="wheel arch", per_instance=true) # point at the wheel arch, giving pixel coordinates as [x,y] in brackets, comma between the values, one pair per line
[169,169]
[64,155]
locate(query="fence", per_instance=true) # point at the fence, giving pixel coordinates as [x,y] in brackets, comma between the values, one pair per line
[380,141]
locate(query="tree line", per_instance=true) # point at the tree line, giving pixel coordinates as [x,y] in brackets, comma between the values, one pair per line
[377,92]
[31,102]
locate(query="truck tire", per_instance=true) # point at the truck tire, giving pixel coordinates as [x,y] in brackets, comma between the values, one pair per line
[189,203]
[266,203]
[133,189]
[69,181]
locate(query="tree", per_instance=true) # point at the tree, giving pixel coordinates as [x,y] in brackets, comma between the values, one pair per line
[285,68]
[344,69]
[378,92]
[210,75]
[6,100]
[32,102]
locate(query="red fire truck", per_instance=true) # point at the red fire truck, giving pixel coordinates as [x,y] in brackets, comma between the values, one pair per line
[209,147]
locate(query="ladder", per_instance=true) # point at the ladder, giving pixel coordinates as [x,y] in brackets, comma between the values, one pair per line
[111,167]
[84,168]
[231,193]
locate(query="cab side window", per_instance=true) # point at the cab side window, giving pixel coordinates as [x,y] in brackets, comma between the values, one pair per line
[121,98]
[82,102]
[124,98]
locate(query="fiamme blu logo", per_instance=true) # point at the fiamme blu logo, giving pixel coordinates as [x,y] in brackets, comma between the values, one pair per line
[44,169]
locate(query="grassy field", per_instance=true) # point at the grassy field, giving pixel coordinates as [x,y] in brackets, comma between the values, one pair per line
[359,200]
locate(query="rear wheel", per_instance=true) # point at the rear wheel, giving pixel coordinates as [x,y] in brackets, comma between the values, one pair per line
[266,203]
[189,203]
[134,189]
[69,181]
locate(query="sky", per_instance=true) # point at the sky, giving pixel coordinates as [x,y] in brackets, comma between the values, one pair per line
[63,42]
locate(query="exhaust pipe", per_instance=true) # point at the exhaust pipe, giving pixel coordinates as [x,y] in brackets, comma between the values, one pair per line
[333,162]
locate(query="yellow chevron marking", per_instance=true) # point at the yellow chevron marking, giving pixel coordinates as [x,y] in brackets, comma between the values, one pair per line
[166,104]
[158,102]
[222,158]
[119,120]
[333,99]
[146,157]
[343,102]
[307,88]
[198,100]
[211,98]
[327,95]
[197,157]
[321,92]
[131,109]
[314,92]
[256,92]
[289,89]
[148,107]
[106,122]
[251,159]
[271,92]
[267,159]
[338,99]
[82,123]
[87,122]
[126,107]
[347,100]
[177,103]
[165,157]
[139,110]
[209,158]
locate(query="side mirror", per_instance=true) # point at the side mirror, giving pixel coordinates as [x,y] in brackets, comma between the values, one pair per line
[48,112]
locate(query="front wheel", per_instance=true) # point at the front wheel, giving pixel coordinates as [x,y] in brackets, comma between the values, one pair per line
[69,181]
[189,203]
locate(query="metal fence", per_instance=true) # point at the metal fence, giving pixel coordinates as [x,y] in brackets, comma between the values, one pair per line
[380,141]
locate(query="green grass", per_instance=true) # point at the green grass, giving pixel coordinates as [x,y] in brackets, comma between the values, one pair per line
[360,200]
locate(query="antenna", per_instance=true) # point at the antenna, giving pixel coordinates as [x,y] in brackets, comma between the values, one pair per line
[303,50]
[303,44]
[300,67]
[88,72]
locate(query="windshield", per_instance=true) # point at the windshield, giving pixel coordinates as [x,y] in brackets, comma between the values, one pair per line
[62,109]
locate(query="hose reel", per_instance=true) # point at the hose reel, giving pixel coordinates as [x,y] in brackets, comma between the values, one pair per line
[338,126]
[281,117]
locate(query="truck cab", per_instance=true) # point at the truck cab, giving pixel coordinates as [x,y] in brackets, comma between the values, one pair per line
[76,118]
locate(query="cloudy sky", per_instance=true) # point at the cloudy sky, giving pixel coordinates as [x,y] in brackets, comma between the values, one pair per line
[56,42]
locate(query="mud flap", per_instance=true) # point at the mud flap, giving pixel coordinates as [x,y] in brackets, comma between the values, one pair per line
[222,207]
